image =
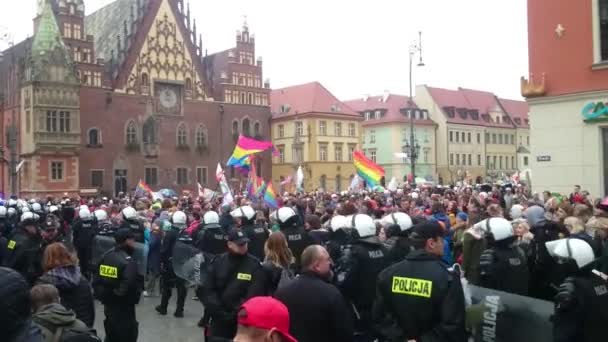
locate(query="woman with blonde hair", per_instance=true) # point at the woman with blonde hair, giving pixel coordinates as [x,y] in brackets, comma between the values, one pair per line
[61,270]
[278,264]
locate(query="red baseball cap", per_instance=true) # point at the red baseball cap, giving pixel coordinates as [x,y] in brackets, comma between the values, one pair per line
[266,313]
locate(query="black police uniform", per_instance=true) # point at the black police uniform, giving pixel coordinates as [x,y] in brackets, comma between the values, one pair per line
[83,233]
[581,309]
[228,286]
[297,240]
[170,280]
[367,259]
[257,235]
[419,298]
[117,284]
[211,239]
[23,253]
[504,268]
[137,229]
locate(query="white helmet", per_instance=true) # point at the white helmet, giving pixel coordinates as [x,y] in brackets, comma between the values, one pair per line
[499,227]
[245,211]
[211,217]
[36,207]
[576,249]
[32,201]
[516,211]
[83,206]
[338,222]
[25,209]
[53,209]
[179,219]
[129,213]
[273,216]
[414,195]
[402,219]
[364,225]
[12,203]
[2,211]
[27,216]
[84,213]
[101,215]
[284,214]
[11,211]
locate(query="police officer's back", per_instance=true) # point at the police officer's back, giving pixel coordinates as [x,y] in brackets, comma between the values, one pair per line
[397,226]
[131,222]
[245,218]
[297,237]
[420,298]
[229,283]
[211,237]
[84,230]
[23,249]
[117,284]
[503,266]
[581,304]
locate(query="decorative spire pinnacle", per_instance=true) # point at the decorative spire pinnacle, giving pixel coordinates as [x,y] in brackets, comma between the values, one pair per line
[245,25]
[194,31]
[188,15]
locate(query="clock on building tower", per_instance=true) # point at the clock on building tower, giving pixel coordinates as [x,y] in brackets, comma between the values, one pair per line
[169,99]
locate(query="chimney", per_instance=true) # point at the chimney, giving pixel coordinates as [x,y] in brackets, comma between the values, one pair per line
[385,95]
[365,97]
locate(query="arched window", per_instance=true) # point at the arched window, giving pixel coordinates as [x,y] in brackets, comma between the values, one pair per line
[250,98]
[94,137]
[201,136]
[145,83]
[257,130]
[338,183]
[188,84]
[149,131]
[131,134]
[182,135]
[235,128]
[246,127]
[243,98]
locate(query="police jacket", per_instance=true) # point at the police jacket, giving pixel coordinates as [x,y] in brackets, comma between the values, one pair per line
[367,259]
[297,240]
[211,240]
[581,309]
[117,281]
[257,235]
[319,236]
[419,298]
[136,227]
[83,233]
[229,284]
[504,268]
[24,254]
[317,310]
[401,248]
[166,250]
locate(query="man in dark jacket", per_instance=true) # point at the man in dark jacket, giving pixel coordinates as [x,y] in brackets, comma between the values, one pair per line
[229,285]
[170,279]
[245,219]
[317,310]
[15,309]
[419,298]
[23,249]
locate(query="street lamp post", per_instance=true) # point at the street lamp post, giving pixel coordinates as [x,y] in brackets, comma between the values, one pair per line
[412,146]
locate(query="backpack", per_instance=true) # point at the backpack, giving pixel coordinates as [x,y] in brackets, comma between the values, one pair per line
[69,334]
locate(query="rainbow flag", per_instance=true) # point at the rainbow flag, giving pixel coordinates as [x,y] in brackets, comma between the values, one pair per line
[367,169]
[261,187]
[142,189]
[246,147]
[270,197]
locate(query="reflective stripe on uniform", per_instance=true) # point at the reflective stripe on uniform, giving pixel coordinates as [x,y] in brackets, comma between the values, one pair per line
[108,271]
[412,286]
[11,244]
[243,276]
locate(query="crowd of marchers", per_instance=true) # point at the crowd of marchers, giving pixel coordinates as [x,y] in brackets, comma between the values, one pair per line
[365,266]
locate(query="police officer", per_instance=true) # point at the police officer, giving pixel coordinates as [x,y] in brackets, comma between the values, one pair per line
[340,237]
[37,209]
[367,258]
[419,298]
[23,249]
[84,230]
[210,237]
[103,223]
[170,280]
[503,266]
[297,237]
[117,284]
[130,221]
[4,224]
[397,227]
[245,220]
[51,233]
[229,284]
[581,304]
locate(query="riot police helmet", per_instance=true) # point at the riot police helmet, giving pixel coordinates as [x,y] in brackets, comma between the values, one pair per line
[28,217]
[53,209]
[3,211]
[338,222]
[498,227]
[211,217]
[571,249]
[36,207]
[101,215]
[11,212]
[286,216]
[402,219]
[129,213]
[179,219]
[364,225]
[84,213]
[245,212]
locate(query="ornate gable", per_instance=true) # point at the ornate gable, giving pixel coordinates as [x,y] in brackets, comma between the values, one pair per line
[166,55]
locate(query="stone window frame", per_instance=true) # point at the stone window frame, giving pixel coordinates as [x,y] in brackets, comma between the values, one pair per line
[103,174]
[63,171]
[99,136]
[135,131]
[181,132]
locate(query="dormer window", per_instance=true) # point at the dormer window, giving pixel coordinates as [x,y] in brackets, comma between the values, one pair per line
[474,115]
[485,117]
[518,121]
[285,108]
[449,111]
[367,116]
[377,115]
[462,112]
[526,121]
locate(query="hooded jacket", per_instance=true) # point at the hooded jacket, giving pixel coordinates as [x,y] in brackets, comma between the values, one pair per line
[75,291]
[15,324]
[53,316]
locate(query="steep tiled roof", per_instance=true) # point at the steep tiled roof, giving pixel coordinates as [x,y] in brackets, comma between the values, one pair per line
[390,104]
[518,111]
[106,24]
[307,98]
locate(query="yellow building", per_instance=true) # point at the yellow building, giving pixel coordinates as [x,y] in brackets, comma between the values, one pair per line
[311,128]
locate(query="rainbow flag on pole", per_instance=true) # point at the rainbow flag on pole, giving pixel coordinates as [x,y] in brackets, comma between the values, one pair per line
[270,197]
[246,147]
[142,189]
[367,169]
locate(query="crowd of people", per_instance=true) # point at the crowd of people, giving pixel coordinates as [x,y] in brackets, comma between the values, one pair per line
[365,266]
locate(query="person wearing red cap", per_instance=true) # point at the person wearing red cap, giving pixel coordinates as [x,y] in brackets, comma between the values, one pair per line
[263,319]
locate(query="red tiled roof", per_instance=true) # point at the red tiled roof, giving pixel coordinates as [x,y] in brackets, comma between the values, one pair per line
[517,109]
[472,100]
[391,103]
[307,98]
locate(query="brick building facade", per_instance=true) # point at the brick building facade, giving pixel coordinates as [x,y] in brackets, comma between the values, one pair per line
[127,93]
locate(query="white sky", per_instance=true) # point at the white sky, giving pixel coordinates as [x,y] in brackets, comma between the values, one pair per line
[357,47]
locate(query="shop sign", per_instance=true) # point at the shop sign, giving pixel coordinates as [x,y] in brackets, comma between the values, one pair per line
[595,111]
[543,158]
